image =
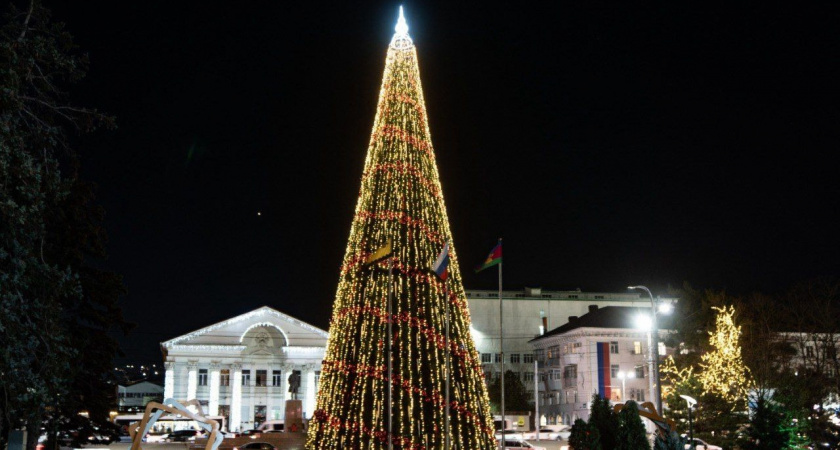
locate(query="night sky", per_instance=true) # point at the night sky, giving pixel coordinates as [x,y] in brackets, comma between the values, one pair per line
[651,143]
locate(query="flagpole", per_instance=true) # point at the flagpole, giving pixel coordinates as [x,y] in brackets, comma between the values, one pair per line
[448,364]
[502,352]
[390,355]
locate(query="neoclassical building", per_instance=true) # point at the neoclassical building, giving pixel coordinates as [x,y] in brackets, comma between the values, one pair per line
[241,368]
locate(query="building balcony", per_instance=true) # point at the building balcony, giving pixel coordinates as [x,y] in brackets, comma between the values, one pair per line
[554,385]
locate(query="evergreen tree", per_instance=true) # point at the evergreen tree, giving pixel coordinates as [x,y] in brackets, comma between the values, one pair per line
[602,417]
[767,428]
[631,431]
[400,201]
[584,436]
[672,441]
[516,397]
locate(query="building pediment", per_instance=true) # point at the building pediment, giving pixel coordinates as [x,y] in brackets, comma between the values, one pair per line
[263,331]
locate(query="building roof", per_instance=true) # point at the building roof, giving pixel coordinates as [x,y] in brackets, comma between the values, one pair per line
[606,317]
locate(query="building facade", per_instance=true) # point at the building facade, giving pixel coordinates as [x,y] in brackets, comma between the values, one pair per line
[600,352]
[528,314]
[243,368]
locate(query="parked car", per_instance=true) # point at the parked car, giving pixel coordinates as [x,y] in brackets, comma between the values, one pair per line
[551,434]
[183,435]
[272,425]
[256,446]
[700,444]
[515,444]
[151,438]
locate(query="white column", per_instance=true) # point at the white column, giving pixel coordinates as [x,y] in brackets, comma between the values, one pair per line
[285,371]
[236,398]
[169,380]
[309,382]
[192,379]
[215,376]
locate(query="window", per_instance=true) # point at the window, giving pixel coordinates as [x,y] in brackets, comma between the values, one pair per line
[546,296]
[498,358]
[615,394]
[528,358]
[661,348]
[553,352]
[637,348]
[246,379]
[485,358]
[540,354]
[809,351]
[202,377]
[614,348]
[262,377]
[614,370]
[577,347]
[224,378]
[637,395]
[573,296]
[640,371]
[570,375]
[514,358]
[599,297]
[276,377]
[529,376]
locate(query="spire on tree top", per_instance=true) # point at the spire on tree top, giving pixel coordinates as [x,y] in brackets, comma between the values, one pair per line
[401,40]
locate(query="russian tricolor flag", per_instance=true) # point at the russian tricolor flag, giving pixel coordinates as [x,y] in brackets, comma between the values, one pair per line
[442,263]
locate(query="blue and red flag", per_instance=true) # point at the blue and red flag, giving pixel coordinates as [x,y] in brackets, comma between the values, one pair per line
[442,263]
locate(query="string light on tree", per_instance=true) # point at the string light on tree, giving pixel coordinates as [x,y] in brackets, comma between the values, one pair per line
[724,372]
[400,200]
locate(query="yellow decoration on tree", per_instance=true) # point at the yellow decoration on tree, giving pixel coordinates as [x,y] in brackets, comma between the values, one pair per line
[724,372]
[400,201]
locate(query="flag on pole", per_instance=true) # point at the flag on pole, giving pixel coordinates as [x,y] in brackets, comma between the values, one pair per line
[495,257]
[380,253]
[442,263]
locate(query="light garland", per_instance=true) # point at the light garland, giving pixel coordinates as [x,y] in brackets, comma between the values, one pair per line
[724,372]
[401,199]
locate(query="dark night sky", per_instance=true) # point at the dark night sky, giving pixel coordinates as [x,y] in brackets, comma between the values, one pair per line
[608,144]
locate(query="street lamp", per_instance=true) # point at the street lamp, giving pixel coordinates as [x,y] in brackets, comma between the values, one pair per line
[691,402]
[653,343]
[623,377]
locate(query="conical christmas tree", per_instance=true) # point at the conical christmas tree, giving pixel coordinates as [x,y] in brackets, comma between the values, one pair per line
[400,202]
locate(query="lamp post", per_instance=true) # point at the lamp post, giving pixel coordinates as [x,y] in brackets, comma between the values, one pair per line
[623,377]
[654,350]
[691,402]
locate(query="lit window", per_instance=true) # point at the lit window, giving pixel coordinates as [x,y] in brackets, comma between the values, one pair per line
[661,347]
[637,348]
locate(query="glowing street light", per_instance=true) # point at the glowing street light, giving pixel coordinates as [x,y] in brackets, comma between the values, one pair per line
[623,377]
[653,345]
[691,402]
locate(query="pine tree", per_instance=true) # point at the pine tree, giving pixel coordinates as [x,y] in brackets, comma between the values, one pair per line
[400,200]
[584,436]
[602,417]
[631,430]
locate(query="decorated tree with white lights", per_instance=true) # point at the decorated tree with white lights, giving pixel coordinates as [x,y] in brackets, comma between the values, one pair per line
[724,372]
[400,202]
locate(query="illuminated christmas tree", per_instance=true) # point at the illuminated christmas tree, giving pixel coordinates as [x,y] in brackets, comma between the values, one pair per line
[724,372]
[400,202]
